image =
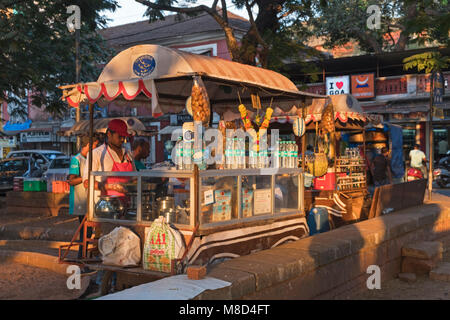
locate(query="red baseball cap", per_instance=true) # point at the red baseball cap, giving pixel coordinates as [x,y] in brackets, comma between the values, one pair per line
[119,126]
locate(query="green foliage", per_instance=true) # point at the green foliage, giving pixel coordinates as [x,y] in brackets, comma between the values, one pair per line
[281,30]
[37,52]
[419,22]
[428,61]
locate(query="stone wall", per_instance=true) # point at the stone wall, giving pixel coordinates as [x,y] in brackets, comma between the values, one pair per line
[331,265]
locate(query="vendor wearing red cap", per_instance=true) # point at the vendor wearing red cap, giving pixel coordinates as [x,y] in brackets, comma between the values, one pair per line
[112,156]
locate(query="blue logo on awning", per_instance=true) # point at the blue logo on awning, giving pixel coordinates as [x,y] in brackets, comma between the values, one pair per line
[144,65]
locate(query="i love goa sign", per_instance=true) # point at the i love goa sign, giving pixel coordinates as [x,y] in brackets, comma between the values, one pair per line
[338,85]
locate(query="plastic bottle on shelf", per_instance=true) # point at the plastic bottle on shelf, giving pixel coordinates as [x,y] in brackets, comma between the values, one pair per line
[187,155]
[243,158]
[295,155]
[233,154]
[266,159]
[261,158]
[289,150]
[238,154]
[179,154]
[288,154]
[276,155]
[228,153]
[281,154]
[291,154]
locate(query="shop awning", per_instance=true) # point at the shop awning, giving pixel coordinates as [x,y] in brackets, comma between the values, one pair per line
[16,127]
[345,107]
[161,78]
[135,126]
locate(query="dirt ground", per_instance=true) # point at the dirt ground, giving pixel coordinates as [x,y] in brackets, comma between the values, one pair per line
[22,282]
[29,283]
[423,289]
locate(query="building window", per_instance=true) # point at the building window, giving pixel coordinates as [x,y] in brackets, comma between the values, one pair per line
[409,138]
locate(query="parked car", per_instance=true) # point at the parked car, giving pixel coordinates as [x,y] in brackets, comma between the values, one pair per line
[59,168]
[42,157]
[14,167]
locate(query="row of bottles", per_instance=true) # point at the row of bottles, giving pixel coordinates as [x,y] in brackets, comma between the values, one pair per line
[186,156]
[285,155]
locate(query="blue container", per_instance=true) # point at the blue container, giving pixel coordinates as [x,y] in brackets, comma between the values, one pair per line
[318,221]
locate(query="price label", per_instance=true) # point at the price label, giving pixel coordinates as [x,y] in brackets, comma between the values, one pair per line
[209,197]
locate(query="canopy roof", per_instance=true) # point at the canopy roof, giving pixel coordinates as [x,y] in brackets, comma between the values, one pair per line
[164,76]
[135,126]
[345,107]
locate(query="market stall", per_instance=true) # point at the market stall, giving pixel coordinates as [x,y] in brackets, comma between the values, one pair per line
[229,192]
[336,129]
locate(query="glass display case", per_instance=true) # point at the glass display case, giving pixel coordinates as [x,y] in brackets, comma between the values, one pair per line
[216,197]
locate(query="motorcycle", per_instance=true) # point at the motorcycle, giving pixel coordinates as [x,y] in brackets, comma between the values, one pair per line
[442,177]
[444,162]
[442,173]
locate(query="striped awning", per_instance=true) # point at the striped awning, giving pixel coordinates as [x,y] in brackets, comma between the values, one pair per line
[162,78]
[345,107]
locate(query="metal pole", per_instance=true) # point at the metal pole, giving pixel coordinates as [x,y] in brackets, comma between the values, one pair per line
[77,78]
[90,181]
[430,141]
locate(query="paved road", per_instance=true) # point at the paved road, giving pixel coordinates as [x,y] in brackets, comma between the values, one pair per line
[444,192]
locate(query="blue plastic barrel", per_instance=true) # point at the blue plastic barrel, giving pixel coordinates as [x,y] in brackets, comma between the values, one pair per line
[318,220]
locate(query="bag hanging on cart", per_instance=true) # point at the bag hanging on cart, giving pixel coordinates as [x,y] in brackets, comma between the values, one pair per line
[163,243]
[120,247]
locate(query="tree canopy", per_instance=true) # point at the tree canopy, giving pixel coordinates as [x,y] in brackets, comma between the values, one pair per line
[37,52]
[402,23]
[276,32]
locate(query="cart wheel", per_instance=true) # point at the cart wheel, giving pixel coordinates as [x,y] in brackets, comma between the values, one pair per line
[106,285]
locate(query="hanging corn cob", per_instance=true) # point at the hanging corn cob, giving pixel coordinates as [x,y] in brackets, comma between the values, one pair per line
[267,118]
[244,116]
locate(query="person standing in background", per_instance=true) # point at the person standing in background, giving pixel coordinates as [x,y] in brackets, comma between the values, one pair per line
[381,169]
[141,150]
[78,194]
[442,148]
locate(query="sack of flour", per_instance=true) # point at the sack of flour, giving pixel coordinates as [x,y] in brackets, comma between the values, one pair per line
[163,243]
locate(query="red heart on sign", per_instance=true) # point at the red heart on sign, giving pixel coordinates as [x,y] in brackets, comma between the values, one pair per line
[339,84]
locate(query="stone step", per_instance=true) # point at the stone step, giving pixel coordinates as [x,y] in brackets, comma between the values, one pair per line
[423,250]
[441,272]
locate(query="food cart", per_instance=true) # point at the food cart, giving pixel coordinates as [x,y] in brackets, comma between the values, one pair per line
[222,209]
[339,123]
[335,128]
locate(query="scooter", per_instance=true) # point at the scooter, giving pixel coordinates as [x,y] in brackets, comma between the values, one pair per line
[442,173]
[442,177]
[413,174]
